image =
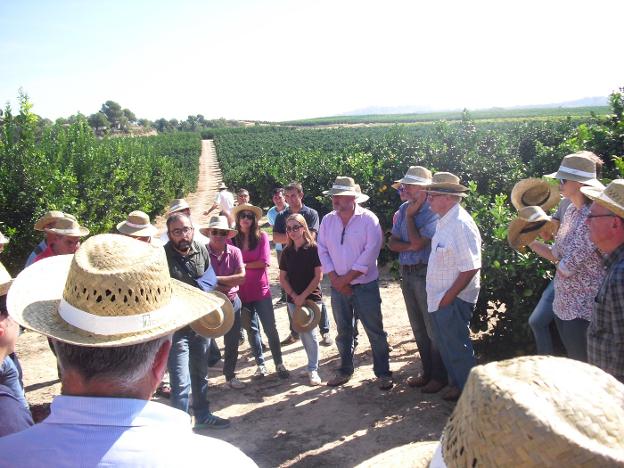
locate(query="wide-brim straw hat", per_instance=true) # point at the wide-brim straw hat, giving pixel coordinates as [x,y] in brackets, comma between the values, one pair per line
[412,455]
[47,218]
[247,207]
[415,175]
[535,192]
[68,227]
[533,411]
[178,204]
[526,227]
[5,280]
[137,224]
[446,183]
[222,186]
[218,322]
[306,317]
[578,167]
[3,239]
[218,222]
[360,197]
[114,291]
[343,186]
[612,197]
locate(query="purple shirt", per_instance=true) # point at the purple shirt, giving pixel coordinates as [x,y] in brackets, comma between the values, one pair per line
[256,285]
[229,263]
[355,246]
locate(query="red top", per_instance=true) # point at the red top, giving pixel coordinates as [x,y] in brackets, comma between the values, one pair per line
[45,254]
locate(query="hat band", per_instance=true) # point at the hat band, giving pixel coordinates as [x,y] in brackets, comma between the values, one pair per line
[570,170]
[533,217]
[137,226]
[533,227]
[118,325]
[343,187]
[417,179]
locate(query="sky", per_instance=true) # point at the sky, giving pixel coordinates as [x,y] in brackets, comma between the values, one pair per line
[287,59]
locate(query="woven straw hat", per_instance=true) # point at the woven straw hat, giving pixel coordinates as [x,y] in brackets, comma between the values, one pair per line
[247,207]
[415,175]
[222,186]
[306,317]
[218,222]
[178,204]
[343,186]
[218,322]
[446,183]
[612,197]
[414,455]
[535,192]
[68,227]
[360,197]
[137,224]
[578,167]
[114,291]
[3,239]
[526,227]
[50,217]
[5,280]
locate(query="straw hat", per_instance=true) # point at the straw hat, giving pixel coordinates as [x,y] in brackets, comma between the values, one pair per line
[114,291]
[306,317]
[218,222]
[3,239]
[5,280]
[178,204]
[47,218]
[446,183]
[413,455]
[525,228]
[415,175]
[578,167]
[218,322]
[222,186]
[612,197]
[247,207]
[68,227]
[535,192]
[137,225]
[343,186]
[360,197]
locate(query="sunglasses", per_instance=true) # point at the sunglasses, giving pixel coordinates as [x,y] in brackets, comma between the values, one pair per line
[247,215]
[219,233]
[293,228]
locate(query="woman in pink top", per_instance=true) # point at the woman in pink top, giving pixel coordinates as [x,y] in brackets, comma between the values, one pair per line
[254,292]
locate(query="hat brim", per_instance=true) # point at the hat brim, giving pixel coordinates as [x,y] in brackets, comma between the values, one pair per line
[567,176]
[44,221]
[311,323]
[36,308]
[412,455]
[4,287]
[147,231]
[598,196]
[175,209]
[205,230]
[518,240]
[346,193]
[80,232]
[244,207]
[362,198]
[205,327]
[523,186]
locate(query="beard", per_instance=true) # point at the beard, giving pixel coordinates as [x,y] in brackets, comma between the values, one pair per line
[182,245]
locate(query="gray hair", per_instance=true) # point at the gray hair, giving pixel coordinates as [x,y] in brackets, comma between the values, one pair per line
[123,366]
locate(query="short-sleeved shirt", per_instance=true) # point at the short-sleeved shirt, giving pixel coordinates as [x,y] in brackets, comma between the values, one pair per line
[229,263]
[455,248]
[309,214]
[272,216]
[426,222]
[256,285]
[14,416]
[225,199]
[299,265]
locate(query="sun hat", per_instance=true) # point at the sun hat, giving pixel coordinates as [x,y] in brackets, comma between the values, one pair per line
[412,455]
[178,204]
[68,227]
[247,207]
[3,239]
[5,280]
[533,411]
[218,322]
[48,218]
[222,186]
[360,197]
[415,175]
[526,227]
[535,192]
[578,167]
[342,186]
[306,317]
[612,197]
[137,225]
[218,222]
[114,291]
[446,183]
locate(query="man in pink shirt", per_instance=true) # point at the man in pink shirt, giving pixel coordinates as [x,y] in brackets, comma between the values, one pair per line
[349,242]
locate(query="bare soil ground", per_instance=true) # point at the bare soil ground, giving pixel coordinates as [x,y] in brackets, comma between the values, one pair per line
[287,422]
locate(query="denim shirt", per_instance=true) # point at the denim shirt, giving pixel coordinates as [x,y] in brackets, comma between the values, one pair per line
[426,222]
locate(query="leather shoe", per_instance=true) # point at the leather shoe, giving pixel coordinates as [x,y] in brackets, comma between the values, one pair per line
[290,339]
[338,379]
[452,394]
[434,386]
[417,381]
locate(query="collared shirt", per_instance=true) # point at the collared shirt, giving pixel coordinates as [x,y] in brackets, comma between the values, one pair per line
[309,214]
[455,248]
[225,199]
[188,268]
[48,252]
[355,246]
[89,431]
[40,248]
[272,216]
[605,335]
[228,263]
[426,222]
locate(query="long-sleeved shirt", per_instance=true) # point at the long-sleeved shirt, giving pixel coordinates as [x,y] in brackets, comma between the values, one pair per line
[605,335]
[355,246]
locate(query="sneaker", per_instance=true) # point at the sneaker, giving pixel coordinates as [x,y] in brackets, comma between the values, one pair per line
[290,339]
[261,372]
[338,379]
[282,372]
[241,340]
[315,379]
[385,383]
[212,422]
[326,339]
[235,383]
[280,301]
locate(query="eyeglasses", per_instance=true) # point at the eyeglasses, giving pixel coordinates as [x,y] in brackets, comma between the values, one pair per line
[179,232]
[219,233]
[562,181]
[246,214]
[293,228]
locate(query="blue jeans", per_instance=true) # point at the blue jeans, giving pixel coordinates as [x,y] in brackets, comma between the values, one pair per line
[230,341]
[573,333]
[309,340]
[453,338]
[323,323]
[188,368]
[366,302]
[413,285]
[263,309]
[540,319]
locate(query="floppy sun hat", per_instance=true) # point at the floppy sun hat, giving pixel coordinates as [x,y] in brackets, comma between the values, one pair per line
[445,183]
[415,175]
[217,323]
[247,207]
[222,186]
[219,223]
[535,192]
[578,167]
[343,186]
[178,204]
[612,197]
[68,227]
[306,317]
[526,227]
[5,280]
[137,225]
[114,291]
[50,217]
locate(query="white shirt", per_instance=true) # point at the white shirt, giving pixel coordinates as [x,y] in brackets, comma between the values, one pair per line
[89,431]
[455,248]
[225,199]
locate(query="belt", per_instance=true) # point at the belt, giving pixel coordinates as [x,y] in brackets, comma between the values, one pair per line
[413,268]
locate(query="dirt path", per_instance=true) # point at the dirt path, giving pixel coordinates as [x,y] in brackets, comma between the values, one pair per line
[286,422]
